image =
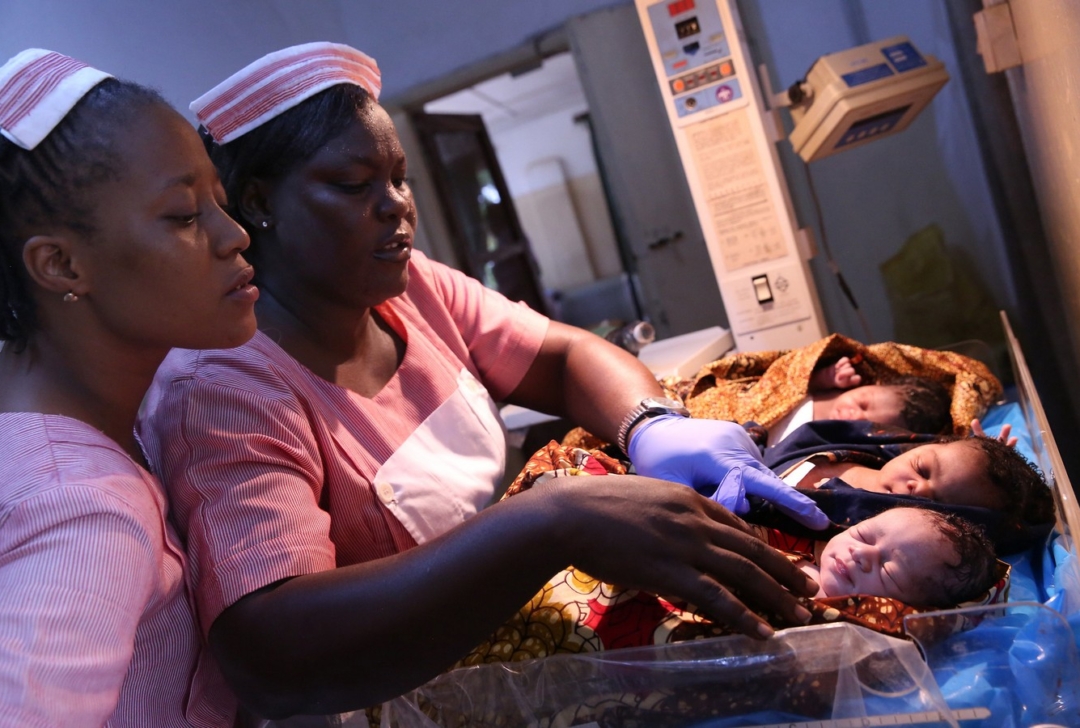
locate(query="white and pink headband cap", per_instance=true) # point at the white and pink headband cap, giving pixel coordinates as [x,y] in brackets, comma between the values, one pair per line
[37,90]
[279,81]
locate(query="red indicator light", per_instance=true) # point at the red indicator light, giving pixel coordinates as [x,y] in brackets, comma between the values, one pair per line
[679,7]
[679,64]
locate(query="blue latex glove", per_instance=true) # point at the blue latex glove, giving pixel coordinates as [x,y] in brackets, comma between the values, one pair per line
[702,453]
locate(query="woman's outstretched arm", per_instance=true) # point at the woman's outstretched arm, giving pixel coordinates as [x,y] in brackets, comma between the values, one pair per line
[351,637]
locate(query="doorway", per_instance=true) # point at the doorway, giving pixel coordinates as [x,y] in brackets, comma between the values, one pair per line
[543,182]
[484,225]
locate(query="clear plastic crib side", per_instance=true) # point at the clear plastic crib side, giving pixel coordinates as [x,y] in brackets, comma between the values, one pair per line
[830,672]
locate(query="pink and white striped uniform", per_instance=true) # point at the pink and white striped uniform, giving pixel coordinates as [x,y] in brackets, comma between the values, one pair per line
[37,90]
[279,81]
[274,472]
[96,626]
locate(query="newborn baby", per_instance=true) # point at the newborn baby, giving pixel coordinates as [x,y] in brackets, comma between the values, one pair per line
[836,392]
[975,471]
[923,558]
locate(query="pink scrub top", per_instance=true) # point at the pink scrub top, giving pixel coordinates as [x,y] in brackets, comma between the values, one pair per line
[96,627]
[274,472]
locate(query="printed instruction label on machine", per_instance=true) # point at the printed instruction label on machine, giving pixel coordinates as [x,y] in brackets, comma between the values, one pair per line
[734,183]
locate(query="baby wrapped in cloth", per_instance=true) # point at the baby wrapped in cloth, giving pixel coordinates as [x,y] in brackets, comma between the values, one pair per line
[576,613]
[765,387]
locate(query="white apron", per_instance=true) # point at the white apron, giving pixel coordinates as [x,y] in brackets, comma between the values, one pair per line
[449,467]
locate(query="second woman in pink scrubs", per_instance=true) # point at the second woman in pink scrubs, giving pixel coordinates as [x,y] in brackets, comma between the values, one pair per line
[330,476]
[113,248]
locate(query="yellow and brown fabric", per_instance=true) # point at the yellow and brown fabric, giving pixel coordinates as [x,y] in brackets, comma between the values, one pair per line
[765,386]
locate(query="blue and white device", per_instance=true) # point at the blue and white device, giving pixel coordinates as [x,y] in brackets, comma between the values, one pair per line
[862,94]
[727,145]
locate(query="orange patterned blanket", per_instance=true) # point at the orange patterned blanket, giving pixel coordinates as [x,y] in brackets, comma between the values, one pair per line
[764,386]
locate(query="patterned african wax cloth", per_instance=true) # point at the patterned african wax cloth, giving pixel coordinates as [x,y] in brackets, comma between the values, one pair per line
[764,386]
[577,613]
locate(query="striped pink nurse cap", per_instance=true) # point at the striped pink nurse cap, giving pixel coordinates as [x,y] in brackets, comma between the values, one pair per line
[279,81]
[37,90]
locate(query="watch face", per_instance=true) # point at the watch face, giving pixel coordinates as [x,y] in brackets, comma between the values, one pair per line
[663,402]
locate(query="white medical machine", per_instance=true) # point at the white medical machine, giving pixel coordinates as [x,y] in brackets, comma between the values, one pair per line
[726,136]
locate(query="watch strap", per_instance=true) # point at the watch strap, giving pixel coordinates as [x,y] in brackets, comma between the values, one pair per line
[648,407]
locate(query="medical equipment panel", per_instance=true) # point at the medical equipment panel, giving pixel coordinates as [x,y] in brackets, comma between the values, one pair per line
[862,94]
[716,113]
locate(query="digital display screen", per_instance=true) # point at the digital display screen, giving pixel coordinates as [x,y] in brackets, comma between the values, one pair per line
[688,27]
[872,126]
[879,122]
[679,7]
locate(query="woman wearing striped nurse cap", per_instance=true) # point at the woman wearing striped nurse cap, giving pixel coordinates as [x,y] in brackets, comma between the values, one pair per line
[113,248]
[330,476]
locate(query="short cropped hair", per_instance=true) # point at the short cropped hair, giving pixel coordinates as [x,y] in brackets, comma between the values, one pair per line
[51,185]
[926,404]
[972,572]
[273,149]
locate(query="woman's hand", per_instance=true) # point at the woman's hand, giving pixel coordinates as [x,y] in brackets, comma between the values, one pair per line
[664,538]
[716,458]
[1003,436]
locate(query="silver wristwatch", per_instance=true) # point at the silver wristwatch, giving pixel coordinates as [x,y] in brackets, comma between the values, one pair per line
[649,407]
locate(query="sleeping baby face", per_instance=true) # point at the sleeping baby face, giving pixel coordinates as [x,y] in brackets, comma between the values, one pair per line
[899,554]
[952,472]
[874,402]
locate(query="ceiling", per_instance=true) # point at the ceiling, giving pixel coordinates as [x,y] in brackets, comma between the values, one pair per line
[508,100]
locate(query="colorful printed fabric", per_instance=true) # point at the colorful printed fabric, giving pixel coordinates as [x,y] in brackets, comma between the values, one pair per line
[554,461]
[764,386]
[576,613]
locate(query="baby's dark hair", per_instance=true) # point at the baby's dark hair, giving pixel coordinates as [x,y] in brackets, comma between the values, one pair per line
[974,569]
[271,150]
[926,404]
[50,186]
[1025,490]
[1021,485]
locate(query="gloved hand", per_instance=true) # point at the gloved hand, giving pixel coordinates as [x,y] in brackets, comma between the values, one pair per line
[702,453]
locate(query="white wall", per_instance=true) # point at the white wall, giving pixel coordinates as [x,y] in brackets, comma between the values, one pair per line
[184,47]
[549,166]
